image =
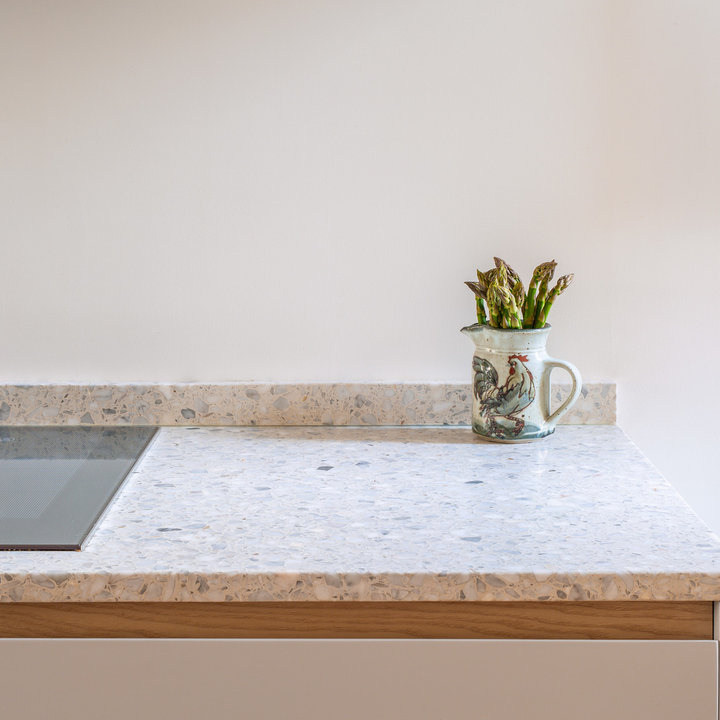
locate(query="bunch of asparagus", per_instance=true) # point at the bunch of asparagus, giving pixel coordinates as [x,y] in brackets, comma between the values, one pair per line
[508,304]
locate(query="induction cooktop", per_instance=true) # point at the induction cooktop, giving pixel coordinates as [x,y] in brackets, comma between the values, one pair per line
[56,482]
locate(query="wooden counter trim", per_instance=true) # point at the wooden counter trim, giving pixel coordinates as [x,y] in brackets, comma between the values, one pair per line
[454,620]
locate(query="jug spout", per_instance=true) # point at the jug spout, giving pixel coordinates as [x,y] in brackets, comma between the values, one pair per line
[474,332]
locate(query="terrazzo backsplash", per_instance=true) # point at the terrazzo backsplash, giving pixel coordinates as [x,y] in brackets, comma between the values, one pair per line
[271,404]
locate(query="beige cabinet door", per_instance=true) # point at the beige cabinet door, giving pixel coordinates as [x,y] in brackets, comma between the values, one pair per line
[353,679]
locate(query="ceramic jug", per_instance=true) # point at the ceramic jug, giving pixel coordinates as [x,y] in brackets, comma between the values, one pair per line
[511,384]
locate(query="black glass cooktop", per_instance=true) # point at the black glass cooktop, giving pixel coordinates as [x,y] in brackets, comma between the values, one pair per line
[55,483]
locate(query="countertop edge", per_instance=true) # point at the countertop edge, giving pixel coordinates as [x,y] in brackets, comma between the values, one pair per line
[380,587]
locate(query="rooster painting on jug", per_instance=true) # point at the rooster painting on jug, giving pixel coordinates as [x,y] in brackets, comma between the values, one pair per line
[498,404]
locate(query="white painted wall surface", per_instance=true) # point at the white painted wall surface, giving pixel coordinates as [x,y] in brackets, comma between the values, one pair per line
[235,190]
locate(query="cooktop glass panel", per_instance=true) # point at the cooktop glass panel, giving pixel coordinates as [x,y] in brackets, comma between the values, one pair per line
[55,483]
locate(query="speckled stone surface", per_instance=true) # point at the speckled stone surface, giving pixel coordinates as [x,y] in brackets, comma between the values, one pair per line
[267,404]
[232,514]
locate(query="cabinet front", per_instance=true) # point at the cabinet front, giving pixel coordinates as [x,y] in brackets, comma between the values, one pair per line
[353,679]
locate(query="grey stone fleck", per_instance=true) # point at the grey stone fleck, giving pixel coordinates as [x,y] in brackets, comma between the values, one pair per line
[494,581]
[201,406]
[187,413]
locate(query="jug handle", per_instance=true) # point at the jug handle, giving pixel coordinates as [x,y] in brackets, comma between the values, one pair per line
[551,363]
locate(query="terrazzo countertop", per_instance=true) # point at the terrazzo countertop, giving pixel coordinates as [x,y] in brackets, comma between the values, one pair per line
[341,513]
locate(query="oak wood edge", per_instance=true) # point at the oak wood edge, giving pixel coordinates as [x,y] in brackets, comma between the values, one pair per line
[450,620]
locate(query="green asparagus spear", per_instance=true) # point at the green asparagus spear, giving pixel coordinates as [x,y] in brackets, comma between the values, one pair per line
[513,277]
[560,286]
[545,280]
[518,292]
[501,275]
[543,291]
[530,306]
[480,309]
[487,277]
[476,288]
[479,301]
[515,283]
[494,303]
[509,309]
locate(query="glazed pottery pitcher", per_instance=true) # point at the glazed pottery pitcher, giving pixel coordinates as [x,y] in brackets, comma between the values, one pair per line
[511,384]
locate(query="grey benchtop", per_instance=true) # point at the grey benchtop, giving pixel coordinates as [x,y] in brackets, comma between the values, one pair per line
[410,513]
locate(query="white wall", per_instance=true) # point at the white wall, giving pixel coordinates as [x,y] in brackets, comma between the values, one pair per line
[666,233]
[229,190]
